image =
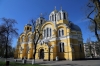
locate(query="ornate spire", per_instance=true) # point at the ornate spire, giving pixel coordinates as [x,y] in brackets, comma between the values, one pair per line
[41,15]
[55,8]
[29,22]
[61,8]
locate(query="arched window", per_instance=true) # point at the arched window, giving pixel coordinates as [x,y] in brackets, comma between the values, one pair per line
[80,48]
[61,47]
[44,33]
[55,17]
[27,28]
[52,17]
[60,32]
[41,21]
[47,32]
[50,32]
[64,15]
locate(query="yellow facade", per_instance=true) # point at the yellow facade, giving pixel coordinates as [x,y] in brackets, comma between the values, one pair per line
[62,36]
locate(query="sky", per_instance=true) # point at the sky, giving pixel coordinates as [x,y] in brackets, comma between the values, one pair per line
[24,10]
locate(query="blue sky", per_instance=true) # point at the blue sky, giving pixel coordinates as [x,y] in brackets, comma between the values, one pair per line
[24,10]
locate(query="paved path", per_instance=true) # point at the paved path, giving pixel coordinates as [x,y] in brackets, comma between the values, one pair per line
[63,62]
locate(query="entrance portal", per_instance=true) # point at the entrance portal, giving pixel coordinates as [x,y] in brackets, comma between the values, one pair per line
[41,54]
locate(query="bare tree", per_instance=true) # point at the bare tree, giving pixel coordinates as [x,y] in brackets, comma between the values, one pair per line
[3,40]
[37,33]
[95,6]
[9,31]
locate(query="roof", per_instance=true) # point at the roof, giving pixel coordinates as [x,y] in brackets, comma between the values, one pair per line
[28,24]
[54,11]
[74,27]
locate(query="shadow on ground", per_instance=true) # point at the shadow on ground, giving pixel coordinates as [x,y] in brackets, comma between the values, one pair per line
[88,59]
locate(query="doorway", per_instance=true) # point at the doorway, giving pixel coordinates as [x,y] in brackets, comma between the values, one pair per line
[41,54]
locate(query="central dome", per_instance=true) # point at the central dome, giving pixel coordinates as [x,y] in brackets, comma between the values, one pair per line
[54,11]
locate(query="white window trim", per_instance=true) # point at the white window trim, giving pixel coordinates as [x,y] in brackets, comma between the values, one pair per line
[61,46]
[60,35]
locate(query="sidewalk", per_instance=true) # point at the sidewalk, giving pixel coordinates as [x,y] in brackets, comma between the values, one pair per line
[68,63]
[87,62]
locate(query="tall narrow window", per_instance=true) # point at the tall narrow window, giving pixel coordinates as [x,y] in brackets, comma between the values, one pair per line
[80,48]
[47,31]
[55,17]
[27,28]
[60,47]
[59,33]
[50,31]
[44,32]
[52,17]
[64,15]
[62,32]
[41,21]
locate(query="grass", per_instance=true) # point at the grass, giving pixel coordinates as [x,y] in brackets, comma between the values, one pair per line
[18,64]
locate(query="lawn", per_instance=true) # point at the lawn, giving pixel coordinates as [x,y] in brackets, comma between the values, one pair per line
[18,64]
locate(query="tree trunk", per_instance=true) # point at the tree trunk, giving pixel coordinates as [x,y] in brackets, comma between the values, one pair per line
[33,61]
[96,31]
[6,44]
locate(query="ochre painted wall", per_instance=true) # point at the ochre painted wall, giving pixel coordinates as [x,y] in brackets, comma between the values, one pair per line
[25,48]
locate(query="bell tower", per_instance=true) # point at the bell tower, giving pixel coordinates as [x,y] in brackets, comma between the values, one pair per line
[28,28]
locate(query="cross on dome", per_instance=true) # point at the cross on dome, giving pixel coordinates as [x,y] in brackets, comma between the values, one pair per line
[61,7]
[29,22]
[55,7]
[41,15]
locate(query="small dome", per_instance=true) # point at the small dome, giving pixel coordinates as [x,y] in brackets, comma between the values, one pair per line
[54,11]
[74,27]
[28,25]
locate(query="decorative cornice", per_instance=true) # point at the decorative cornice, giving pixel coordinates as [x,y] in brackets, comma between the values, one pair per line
[24,42]
[63,37]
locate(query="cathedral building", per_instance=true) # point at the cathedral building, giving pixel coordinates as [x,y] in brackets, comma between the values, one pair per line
[61,39]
